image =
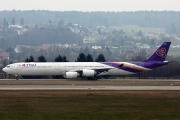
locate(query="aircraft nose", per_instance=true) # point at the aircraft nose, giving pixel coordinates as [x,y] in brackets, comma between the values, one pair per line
[4,69]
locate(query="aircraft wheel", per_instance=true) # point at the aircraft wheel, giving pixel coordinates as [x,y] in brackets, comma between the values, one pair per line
[4,76]
[17,77]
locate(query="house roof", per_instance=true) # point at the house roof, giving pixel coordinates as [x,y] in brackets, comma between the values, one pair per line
[4,54]
[43,47]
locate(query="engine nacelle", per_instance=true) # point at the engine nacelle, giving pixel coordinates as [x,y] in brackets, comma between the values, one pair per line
[89,73]
[71,75]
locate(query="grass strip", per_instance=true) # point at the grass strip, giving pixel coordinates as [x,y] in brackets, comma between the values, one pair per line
[88,105]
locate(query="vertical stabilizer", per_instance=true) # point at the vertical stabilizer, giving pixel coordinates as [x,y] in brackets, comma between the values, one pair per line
[161,53]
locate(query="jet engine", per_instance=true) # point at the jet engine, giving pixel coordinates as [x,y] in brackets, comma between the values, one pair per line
[71,75]
[89,73]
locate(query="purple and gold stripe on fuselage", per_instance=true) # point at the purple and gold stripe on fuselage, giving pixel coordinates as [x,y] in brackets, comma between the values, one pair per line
[127,66]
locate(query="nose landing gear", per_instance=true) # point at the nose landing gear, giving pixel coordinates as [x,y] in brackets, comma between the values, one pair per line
[4,76]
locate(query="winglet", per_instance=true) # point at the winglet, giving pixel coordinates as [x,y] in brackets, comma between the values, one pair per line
[161,53]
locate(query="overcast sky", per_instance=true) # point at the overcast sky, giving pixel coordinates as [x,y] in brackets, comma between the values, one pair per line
[90,5]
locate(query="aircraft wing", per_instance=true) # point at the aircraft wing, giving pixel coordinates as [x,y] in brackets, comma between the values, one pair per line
[97,70]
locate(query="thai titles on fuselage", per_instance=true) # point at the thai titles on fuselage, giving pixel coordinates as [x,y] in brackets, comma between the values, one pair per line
[29,65]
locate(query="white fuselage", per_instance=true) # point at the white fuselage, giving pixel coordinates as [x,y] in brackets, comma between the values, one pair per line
[60,68]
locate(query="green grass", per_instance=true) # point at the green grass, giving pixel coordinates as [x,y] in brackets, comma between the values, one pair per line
[135,28]
[90,107]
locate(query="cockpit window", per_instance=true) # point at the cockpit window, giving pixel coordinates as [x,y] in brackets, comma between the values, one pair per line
[8,66]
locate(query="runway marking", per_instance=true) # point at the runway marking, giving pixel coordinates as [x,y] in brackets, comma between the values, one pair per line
[85,87]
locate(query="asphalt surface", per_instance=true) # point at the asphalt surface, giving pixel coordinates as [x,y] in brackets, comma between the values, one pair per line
[85,87]
[106,84]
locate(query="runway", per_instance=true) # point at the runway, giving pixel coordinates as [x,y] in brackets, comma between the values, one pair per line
[85,87]
[103,84]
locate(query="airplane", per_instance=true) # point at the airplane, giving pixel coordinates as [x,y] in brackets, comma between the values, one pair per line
[89,70]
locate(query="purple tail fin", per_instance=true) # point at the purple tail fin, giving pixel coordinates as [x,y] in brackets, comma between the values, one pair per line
[161,53]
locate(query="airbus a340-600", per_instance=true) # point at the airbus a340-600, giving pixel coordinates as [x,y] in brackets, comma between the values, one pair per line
[90,70]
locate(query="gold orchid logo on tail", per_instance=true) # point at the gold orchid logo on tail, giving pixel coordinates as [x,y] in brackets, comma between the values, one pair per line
[161,52]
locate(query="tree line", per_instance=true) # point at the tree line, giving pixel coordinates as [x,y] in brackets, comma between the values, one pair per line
[140,18]
[81,58]
[38,36]
[5,23]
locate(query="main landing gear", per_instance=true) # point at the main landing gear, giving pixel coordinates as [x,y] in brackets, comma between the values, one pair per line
[17,77]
